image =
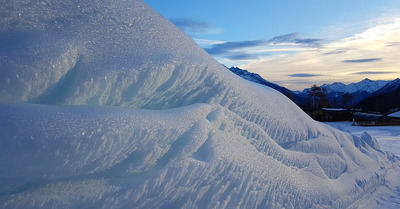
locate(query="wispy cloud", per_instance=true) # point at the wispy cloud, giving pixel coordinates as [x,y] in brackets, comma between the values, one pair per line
[207,42]
[303,75]
[254,49]
[363,60]
[294,38]
[373,52]
[242,56]
[337,51]
[372,72]
[192,26]
[227,47]
[396,44]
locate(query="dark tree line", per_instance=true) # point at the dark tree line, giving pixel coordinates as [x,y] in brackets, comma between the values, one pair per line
[318,98]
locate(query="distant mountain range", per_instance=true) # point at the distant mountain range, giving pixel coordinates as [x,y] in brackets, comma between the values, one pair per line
[384,100]
[254,77]
[389,87]
[354,92]
[365,85]
[376,96]
[372,96]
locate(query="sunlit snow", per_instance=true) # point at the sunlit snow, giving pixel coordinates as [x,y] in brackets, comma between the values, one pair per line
[388,137]
[106,104]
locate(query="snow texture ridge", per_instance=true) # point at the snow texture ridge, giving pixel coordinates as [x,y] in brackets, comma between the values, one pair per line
[109,105]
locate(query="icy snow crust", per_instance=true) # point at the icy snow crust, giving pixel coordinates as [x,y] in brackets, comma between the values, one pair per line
[108,105]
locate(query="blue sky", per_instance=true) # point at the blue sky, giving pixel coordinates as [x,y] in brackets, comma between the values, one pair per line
[295,43]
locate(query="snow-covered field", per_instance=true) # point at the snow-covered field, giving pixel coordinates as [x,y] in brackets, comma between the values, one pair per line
[388,137]
[106,104]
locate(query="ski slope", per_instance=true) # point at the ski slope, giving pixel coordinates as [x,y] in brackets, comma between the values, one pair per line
[109,105]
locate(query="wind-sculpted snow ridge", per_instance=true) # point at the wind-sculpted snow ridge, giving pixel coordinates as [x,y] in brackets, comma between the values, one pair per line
[108,105]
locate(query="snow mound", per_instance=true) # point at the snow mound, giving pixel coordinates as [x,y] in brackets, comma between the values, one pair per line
[108,105]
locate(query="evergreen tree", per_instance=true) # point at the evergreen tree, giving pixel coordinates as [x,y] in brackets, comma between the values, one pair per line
[318,95]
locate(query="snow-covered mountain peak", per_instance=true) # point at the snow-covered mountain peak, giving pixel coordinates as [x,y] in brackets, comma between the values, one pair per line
[390,86]
[365,85]
[393,84]
[336,86]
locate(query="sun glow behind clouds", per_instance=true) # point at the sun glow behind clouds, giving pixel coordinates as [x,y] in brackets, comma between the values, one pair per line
[373,53]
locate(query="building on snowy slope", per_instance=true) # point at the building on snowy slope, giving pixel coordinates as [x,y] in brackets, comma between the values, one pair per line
[336,114]
[368,119]
[329,114]
[395,116]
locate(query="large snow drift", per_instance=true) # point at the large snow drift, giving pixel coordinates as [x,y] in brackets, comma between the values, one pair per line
[106,104]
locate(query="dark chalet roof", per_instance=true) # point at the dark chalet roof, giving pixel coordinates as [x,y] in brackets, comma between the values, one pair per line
[335,110]
[395,115]
[359,116]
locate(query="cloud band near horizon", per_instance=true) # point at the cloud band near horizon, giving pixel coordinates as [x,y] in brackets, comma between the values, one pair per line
[373,53]
[363,60]
[253,49]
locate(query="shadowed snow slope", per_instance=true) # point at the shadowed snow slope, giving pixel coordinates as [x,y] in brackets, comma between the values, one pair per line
[106,104]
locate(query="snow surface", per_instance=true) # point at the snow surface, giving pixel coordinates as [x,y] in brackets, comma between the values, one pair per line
[109,105]
[388,137]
